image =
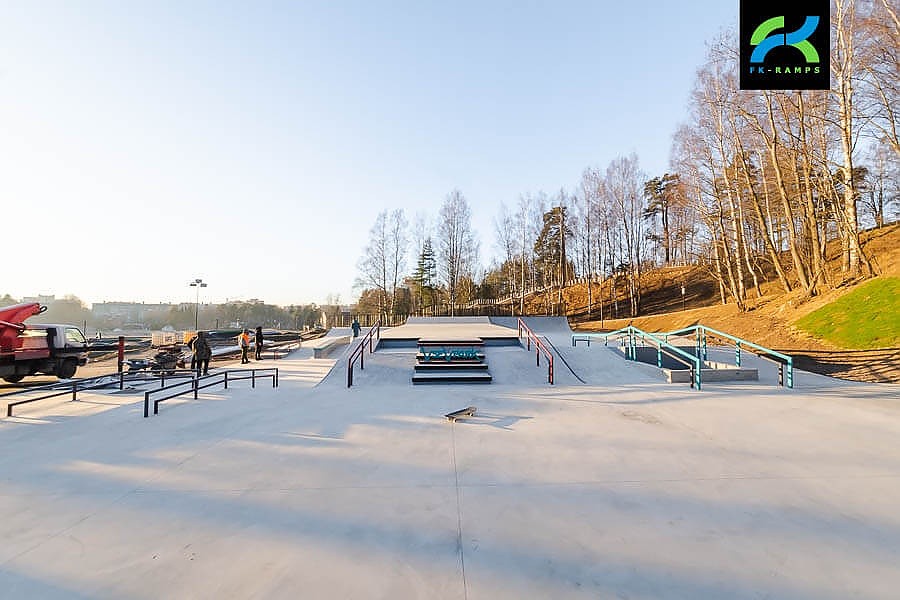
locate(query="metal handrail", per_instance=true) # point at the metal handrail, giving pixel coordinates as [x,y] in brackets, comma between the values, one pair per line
[785,376]
[539,347]
[662,347]
[221,377]
[60,389]
[692,362]
[359,351]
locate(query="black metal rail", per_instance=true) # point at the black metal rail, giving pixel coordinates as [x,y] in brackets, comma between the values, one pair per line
[74,386]
[206,381]
[59,389]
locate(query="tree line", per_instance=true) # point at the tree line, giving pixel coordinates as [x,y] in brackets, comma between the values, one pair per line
[759,184]
[251,313]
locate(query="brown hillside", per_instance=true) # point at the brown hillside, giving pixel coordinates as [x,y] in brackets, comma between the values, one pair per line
[769,320]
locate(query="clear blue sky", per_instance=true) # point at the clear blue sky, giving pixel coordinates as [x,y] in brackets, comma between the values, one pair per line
[143,144]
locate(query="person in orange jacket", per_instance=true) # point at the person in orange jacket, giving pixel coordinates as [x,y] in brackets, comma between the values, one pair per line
[244,342]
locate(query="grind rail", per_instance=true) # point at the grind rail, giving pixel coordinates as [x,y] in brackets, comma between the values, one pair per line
[702,332]
[359,351]
[539,348]
[629,337]
[206,381]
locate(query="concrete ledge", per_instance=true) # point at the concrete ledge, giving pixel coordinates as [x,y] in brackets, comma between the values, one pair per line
[723,373]
[322,347]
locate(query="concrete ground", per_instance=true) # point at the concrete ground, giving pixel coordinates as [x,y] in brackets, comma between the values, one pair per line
[621,487]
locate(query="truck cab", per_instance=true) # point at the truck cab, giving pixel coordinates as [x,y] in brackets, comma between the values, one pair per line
[51,349]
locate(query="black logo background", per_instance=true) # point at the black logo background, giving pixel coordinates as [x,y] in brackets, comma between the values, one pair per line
[753,13]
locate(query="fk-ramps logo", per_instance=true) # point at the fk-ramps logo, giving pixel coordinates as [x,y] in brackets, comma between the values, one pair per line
[785,45]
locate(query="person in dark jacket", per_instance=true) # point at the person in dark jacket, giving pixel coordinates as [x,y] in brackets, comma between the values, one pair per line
[193,354]
[202,352]
[259,343]
[355,326]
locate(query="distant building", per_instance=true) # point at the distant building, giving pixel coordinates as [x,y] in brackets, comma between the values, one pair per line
[42,299]
[128,312]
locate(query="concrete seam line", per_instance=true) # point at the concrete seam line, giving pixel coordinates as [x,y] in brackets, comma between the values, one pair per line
[459,541]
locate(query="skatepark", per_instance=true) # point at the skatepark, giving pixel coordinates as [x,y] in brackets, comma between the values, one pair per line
[608,483]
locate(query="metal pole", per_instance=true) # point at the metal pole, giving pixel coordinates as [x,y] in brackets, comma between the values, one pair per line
[197,310]
[790,373]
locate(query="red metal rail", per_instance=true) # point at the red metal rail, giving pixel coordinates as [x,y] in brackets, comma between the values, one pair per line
[538,348]
[360,351]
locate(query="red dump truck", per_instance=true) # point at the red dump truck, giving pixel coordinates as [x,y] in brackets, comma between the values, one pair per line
[31,349]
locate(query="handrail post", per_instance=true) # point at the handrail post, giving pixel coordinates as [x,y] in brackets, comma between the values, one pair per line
[146,404]
[226,380]
[659,357]
[349,372]
[705,355]
[196,389]
[737,354]
[121,380]
[781,374]
[790,372]
[253,378]
[537,355]
[74,391]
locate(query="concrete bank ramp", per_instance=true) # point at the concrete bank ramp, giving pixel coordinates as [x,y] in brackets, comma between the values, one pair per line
[595,365]
[449,320]
[538,325]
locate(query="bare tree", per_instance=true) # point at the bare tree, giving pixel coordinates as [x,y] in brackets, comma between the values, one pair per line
[457,247]
[383,260]
[624,183]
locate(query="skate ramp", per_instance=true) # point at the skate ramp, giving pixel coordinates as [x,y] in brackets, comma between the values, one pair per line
[448,328]
[536,324]
[446,320]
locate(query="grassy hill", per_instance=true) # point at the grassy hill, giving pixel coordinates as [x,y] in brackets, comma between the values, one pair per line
[867,317]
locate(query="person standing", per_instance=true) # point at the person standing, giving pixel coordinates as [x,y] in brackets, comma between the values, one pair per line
[259,343]
[355,327]
[202,353]
[191,343]
[244,342]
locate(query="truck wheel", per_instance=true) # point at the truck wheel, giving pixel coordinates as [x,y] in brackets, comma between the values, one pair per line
[67,368]
[13,378]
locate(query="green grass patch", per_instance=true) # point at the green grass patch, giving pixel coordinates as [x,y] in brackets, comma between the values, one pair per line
[867,317]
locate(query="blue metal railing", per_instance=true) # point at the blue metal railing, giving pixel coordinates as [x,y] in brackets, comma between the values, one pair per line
[632,334]
[701,332]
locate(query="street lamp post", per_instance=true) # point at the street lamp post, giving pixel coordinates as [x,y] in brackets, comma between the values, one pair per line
[197,283]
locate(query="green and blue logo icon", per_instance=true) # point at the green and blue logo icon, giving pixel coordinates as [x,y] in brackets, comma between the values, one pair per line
[799,39]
